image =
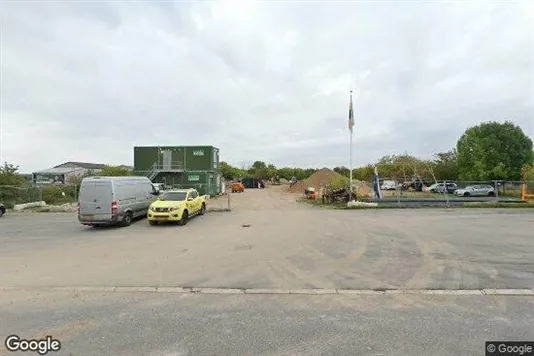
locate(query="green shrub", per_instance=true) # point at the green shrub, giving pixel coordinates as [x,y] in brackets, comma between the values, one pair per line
[52,194]
[11,195]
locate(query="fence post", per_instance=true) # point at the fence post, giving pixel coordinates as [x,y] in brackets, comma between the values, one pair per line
[228,193]
[446,193]
[496,187]
[397,192]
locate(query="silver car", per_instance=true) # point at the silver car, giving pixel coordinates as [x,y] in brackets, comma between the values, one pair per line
[476,191]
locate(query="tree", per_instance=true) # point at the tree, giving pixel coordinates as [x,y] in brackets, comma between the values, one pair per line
[271,171]
[227,171]
[344,171]
[493,150]
[9,175]
[445,165]
[527,172]
[110,171]
[259,170]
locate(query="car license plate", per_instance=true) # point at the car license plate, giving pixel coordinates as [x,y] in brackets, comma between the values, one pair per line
[88,216]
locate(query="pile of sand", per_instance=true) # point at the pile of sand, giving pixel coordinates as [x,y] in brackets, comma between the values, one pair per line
[317,180]
[362,188]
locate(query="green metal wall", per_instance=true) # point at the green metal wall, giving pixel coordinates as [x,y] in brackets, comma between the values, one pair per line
[146,156]
[199,158]
[194,158]
[204,182]
[169,179]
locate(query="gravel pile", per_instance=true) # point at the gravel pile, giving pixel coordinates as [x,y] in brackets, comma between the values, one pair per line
[317,180]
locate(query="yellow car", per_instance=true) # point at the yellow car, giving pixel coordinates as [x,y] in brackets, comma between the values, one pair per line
[177,205]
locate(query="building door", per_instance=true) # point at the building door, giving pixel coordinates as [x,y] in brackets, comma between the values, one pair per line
[167,159]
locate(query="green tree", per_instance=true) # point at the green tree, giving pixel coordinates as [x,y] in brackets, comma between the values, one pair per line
[109,171]
[285,173]
[364,173]
[493,150]
[259,170]
[445,165]
[271,171]
[527,172]
[9,175]
[344,171]
[227,171]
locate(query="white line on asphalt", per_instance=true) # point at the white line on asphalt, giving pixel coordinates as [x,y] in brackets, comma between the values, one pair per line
[312,291]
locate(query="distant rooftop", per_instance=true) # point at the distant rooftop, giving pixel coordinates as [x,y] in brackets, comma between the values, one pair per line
[59,170]
[80,165]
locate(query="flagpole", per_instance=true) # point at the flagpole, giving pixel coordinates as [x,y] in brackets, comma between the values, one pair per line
[351,124]
[350,168]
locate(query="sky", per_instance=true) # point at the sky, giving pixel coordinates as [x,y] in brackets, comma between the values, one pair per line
[261,80]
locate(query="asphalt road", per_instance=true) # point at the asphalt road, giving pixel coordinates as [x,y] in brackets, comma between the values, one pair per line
[286,245]
[146,324]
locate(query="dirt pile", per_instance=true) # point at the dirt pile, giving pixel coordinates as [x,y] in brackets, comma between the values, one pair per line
[362,188]
[317,180]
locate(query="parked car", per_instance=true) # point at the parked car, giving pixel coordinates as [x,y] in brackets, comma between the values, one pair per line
[440,188]
[177,205]
[389,185]
[476,191]
[430,188]
[2,210]
[114,200]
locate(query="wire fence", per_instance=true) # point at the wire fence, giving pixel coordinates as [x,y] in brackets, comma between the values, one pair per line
[442,193]
[419,189]
[51,194]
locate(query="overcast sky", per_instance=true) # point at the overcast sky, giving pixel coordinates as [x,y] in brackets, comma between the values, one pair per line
[260,80]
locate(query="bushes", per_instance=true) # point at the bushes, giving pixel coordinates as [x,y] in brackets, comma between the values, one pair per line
[52,194]
[11,195]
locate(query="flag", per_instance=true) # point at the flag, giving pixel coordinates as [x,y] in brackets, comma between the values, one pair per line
[351,114]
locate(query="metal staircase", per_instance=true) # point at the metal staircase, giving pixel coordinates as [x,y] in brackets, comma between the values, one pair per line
[171,167]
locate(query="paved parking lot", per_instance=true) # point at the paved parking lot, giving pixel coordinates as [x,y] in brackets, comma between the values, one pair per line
[284,245]
[287,245]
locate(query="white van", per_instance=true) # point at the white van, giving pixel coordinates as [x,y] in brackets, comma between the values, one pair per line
[114,200]
[389,184]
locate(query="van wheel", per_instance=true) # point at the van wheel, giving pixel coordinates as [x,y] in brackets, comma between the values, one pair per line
[203,209]
[185,217]
[127,219]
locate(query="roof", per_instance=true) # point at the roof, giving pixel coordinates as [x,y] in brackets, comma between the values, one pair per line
[58,170]
[81,165]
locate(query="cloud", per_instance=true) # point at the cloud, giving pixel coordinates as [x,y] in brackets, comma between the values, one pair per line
[260,80]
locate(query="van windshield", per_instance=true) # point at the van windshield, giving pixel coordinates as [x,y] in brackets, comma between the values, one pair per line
[173,196]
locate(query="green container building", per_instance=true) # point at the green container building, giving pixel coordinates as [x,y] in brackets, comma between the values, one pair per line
[185,158]
[180,166]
